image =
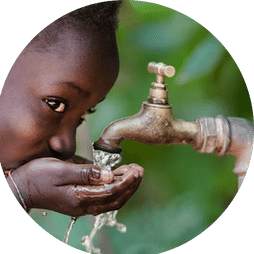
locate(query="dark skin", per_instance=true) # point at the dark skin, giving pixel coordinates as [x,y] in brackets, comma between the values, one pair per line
[42,104]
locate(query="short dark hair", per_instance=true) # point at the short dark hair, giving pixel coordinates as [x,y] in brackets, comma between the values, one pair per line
[101,17]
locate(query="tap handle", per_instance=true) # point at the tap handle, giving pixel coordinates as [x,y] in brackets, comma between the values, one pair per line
[158,92]
[161,69]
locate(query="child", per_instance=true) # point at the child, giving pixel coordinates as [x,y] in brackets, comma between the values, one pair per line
[63,73]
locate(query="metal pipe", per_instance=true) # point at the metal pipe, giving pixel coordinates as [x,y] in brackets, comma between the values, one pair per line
[228,136]
[156,125]
[241,145]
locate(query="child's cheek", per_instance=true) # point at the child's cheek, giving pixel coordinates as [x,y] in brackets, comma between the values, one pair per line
[27,130]
[23,139]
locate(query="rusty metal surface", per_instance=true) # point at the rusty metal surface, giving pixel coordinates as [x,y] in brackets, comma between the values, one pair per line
[153,125]
[214,135]
[228,136]
[241,143]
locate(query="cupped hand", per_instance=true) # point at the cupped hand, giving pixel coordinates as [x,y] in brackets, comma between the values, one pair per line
[75,190]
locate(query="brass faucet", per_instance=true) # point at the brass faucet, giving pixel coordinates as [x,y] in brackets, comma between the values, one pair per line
[156,125]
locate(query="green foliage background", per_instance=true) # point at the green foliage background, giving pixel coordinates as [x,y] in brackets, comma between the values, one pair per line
[183,192]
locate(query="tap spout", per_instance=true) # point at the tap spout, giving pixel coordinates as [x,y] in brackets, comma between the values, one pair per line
[153,125]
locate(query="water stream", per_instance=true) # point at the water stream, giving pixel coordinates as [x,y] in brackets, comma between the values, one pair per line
[68,231]
[107,161]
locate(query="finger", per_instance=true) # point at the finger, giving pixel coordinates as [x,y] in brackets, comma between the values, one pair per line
[126,180]
[124,168]
[139,168]
[109,192]
[121,170]
[87,174]
[116,204]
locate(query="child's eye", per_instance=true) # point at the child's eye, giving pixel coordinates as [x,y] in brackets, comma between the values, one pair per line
[91,111]
[56,105]
[82,119]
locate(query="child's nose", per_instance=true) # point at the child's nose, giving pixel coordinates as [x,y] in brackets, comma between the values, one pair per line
[63,145]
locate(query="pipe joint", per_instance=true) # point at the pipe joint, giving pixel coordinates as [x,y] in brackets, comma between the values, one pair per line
[214,135]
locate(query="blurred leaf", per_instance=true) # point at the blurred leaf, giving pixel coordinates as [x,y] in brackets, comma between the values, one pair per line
[164,34]
[202,61]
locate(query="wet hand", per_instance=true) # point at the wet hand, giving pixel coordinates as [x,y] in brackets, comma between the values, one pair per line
[76,190]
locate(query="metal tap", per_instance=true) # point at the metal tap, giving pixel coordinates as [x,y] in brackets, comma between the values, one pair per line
[156,125]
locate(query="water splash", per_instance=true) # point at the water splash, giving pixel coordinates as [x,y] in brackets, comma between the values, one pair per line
[107,161]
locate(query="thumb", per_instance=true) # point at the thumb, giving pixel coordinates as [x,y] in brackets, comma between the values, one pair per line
[86,174]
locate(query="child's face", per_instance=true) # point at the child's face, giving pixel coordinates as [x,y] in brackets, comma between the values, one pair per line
[46,94]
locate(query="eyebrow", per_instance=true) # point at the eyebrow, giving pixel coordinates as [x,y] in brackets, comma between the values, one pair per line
[76,87]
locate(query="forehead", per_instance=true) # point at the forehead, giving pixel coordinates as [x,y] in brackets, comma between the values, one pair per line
[87,61]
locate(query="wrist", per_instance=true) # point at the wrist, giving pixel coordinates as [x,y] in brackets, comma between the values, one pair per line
[17,190]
